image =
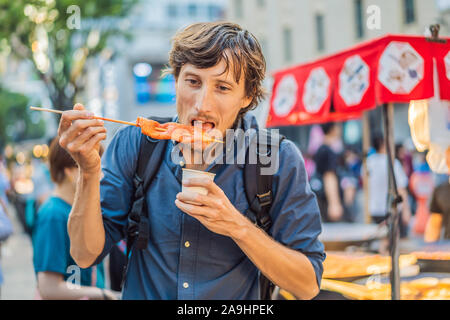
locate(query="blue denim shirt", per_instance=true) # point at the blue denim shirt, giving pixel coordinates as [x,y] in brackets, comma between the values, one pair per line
[184,260]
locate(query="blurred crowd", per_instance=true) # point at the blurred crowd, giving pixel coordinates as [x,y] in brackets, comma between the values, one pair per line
[337,172]
[40,192]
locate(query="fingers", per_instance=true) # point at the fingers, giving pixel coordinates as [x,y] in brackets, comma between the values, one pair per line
[207,201]
[69,116]
[79,132]
[77,129]
[93,142]
[86,135]
[206,183]
[194,210]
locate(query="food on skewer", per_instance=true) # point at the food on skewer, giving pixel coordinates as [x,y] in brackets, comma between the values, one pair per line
[172,130]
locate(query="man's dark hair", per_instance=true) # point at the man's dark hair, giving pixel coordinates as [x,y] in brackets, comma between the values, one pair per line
[377,140]
[205,44]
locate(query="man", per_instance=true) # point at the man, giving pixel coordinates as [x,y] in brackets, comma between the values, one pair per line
[378,185]
[326,159]
[208,251]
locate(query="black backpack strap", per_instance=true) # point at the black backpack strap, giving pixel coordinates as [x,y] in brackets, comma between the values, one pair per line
[258,187]
[258,190]
[151,154]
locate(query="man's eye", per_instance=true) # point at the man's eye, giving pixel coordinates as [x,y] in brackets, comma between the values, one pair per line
[223,88]
[192,81]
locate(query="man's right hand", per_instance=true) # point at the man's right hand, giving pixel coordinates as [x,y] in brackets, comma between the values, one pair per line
[80,134]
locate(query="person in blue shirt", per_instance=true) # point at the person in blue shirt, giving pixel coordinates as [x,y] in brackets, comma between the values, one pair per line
[58,276]
[211,250]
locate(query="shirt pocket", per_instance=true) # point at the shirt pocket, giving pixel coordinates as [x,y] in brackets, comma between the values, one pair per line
[223,248]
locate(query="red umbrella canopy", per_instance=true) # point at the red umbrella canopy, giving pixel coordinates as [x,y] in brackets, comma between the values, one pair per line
[338,87]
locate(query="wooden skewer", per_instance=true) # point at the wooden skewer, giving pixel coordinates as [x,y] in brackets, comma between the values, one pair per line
[95,117]
[106,119]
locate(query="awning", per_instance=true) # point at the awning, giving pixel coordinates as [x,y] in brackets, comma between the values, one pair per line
[338,87]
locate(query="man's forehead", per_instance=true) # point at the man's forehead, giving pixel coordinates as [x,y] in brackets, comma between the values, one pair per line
[220,71]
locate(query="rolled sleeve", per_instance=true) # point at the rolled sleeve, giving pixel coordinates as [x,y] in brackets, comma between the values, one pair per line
[116,187]
[295,212]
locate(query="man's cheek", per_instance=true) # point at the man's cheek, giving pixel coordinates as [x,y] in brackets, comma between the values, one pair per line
[184,106]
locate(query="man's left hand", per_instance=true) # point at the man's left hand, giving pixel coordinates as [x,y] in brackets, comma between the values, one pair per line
[214,211]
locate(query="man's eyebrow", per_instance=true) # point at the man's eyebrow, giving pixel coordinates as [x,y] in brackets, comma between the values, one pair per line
[190,73]
[193,74]
[226,82]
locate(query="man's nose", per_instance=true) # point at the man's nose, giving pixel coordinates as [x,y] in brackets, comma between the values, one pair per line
[205,100]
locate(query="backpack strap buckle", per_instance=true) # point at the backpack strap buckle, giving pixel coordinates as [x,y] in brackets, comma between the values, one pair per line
[265,222]
[265,198]
[137,181]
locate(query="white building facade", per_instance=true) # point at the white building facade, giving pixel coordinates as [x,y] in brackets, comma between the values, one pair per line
[297,31]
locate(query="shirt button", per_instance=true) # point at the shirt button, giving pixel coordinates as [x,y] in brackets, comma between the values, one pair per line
[187,244]
[181,163]
[185,285]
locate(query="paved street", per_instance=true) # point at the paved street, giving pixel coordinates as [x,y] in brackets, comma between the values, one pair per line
[17,265]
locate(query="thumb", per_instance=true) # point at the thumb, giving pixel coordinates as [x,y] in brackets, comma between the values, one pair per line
[78,106]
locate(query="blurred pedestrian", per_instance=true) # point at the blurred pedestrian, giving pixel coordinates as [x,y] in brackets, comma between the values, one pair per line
[4,184]
[349,179]
[378,185]
[405,158]
[6,228]
[439,220]
[58,276]
[326,159]
[43,188]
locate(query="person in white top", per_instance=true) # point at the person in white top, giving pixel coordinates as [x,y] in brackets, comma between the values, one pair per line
[379,186]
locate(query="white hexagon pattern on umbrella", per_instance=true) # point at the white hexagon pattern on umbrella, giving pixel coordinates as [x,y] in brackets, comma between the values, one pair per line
[401,68]
[316,90]
[353,80]
[285,96]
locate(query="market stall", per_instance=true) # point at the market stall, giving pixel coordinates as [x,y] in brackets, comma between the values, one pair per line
[342,86]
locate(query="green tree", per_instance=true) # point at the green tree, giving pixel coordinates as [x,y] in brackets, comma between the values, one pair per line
[58,36]
[16,122]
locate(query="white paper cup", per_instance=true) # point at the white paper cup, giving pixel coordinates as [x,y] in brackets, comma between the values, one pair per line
[188,174]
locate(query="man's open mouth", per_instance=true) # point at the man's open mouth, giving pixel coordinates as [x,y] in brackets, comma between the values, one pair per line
[205,125]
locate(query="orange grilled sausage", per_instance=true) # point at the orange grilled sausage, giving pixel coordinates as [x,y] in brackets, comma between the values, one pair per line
[172,130]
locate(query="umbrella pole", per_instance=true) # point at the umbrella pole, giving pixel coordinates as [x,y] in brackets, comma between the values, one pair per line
[394,199]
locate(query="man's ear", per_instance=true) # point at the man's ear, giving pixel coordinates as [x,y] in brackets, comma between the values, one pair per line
[246,102]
